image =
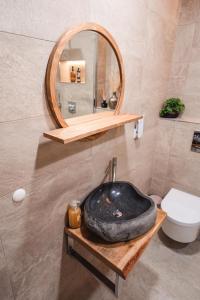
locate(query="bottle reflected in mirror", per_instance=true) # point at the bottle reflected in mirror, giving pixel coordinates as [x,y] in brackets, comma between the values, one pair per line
[113,101]
[73,75]
[78,75]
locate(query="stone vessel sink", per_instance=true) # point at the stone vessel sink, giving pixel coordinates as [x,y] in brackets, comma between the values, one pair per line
[118,211]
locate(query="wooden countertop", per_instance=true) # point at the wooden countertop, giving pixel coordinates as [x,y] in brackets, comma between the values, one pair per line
[120,257]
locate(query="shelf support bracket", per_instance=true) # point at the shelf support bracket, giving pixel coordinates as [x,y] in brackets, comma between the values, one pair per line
[113,286]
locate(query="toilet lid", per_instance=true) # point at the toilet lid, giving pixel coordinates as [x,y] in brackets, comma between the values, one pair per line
[182,207]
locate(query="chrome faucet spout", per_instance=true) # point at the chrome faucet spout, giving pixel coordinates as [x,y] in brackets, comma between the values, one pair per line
[113,169]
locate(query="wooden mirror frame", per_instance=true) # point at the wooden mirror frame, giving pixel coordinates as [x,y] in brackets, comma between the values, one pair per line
[50,80]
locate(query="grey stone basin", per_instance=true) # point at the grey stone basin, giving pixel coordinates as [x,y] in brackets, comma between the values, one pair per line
[118,211]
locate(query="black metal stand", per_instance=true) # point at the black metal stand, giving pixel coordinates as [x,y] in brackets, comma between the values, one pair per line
[113,286]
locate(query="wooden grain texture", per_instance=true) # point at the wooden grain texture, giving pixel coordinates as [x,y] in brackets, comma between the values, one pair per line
[90,127]
[51,73]
[120,257]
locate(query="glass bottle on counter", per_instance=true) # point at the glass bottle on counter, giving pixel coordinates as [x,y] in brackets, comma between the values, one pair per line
[74,214]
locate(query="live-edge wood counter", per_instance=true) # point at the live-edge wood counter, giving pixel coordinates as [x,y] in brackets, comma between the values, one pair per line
[120,257]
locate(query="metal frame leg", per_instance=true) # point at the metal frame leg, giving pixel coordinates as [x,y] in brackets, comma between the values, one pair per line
[113,286]
[117,280]
[70,244]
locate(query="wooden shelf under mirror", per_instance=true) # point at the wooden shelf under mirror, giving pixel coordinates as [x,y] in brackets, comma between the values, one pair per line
[86,126]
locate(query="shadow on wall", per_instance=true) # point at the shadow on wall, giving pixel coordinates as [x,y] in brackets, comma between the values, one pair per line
[75,282]
[39,268]
[50,152]
[39,265]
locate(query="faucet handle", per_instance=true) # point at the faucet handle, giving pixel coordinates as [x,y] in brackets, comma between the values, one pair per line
[114,160]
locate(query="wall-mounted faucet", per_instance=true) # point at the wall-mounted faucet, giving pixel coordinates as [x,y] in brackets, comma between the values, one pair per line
[111,170]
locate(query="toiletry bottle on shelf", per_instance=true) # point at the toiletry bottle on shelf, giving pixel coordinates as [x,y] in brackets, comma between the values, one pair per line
[78,75]
[113,101]
[72,75]
[74,214]
[104,104]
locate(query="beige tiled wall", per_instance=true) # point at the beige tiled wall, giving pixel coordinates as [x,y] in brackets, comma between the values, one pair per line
[33,263]
[174,163]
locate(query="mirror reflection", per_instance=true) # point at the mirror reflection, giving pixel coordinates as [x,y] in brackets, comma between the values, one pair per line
[88,76]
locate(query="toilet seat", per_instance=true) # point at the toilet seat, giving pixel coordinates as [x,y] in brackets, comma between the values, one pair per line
[182,208]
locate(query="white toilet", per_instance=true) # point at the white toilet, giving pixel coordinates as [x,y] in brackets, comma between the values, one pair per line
[183,216]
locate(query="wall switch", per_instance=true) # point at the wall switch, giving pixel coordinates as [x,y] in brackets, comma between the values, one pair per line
[138,129]
[19,195]
[196,142]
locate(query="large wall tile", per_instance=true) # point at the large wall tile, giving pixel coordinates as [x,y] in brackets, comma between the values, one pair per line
[160,38]
[158,187]
[177,79]
[164,136]
[182,51]
[192,83]
[45,20]
[133,76]
[39,216]
[174,138]
[191,102]
[23,64]
[165,8]
[196,37]
[26,155]
[5,286]
[182,140]
[127,27]
[18,150]
[180,171]
[189,11]
[160,165]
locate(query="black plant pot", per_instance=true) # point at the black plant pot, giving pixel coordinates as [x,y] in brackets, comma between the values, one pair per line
[171,115]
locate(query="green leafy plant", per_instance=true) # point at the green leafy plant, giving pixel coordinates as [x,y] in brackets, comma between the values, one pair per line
[172,108]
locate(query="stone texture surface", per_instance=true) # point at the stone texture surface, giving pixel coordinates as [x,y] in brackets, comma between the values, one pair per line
[138,212]
[34,264]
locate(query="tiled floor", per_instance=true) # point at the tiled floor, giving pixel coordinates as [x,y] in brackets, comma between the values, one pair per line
[166,271]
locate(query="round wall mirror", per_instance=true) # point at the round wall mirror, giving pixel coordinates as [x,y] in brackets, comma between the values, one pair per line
[85,74]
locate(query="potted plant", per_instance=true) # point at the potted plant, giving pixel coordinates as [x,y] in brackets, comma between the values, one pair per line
[172,108]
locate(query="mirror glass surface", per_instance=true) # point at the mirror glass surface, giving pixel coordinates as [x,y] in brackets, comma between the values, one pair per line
[88,76]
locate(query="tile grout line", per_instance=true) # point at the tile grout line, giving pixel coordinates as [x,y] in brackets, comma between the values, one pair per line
[7,271]
[170,151]
[27,36]
[27,118]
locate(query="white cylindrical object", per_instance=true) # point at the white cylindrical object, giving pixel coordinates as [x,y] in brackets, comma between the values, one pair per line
[19,195]
[180,233]
[183,216]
